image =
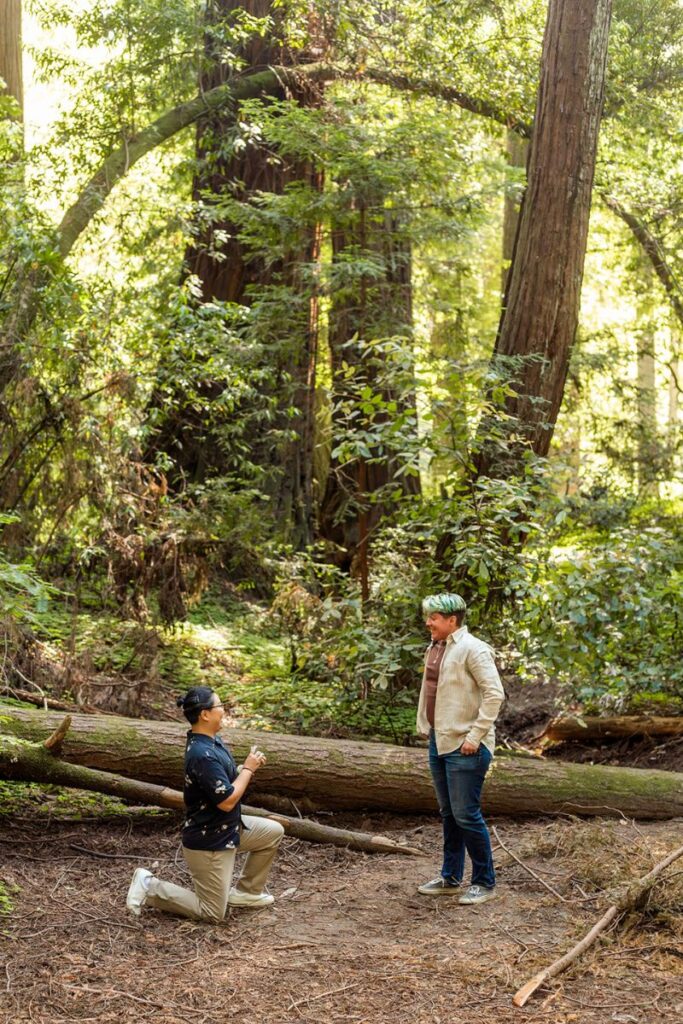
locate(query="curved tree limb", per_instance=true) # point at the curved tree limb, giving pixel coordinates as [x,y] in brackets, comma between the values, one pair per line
[118,163]
[428,87]
[94,194]
[654,251]
[91,199]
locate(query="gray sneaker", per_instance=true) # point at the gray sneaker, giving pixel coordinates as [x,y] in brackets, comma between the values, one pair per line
[477,894]
[440,887]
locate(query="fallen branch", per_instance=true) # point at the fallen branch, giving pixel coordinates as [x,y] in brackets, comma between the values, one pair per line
[41,702]
[527,868]
[574,727]
[631,898]
[36,762]
[313,832]
[54,742]
[51,704]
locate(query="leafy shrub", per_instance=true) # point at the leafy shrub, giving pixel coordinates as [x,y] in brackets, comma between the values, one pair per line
[22,592]
[606,618]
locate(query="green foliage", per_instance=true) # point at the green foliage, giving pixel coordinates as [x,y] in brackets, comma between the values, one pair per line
[143,418]
[606,618]
[7,896]
[23,594]
[43,800]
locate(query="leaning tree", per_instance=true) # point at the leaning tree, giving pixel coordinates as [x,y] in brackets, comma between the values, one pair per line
[541,304]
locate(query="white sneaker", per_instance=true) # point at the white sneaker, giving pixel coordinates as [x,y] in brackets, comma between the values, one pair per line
[137,891]
[237,898]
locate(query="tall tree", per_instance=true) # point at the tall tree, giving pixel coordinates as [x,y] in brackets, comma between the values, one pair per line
[540,315]
[229,270]
[376,304]
[649,456]
[516,152]
[10,49]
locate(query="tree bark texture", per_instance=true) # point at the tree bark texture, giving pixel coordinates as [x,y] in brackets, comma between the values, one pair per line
[24,761]
[620,727]
[10,49]
[225,269]
[540,317]
[516,152]
[340,774]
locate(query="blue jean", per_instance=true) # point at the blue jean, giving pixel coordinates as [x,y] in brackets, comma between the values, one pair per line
[458,780]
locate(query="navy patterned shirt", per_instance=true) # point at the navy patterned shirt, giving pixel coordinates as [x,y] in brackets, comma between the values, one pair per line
[209,775]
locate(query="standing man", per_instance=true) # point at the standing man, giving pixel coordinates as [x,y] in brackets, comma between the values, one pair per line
[459,701]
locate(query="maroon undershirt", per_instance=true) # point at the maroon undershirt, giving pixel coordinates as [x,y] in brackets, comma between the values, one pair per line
[433,661]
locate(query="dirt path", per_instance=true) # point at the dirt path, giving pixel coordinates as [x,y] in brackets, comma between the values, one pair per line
[348,939]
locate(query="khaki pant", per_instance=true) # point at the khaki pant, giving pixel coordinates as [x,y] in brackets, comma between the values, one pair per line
[212,870]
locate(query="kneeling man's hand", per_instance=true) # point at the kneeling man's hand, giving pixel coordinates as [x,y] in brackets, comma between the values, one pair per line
[469,748]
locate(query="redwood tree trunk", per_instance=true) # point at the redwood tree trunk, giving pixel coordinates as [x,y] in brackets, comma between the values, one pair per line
[541,312]
[227,270]
[12,75]
[10,49]
[340,774]
[516,152]
[371,307]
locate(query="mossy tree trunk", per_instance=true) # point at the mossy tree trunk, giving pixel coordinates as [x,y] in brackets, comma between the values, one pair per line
[340,774]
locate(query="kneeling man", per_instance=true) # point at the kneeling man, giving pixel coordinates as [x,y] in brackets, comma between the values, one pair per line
[459,701]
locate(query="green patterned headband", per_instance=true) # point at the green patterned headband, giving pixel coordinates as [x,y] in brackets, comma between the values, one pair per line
[447,604]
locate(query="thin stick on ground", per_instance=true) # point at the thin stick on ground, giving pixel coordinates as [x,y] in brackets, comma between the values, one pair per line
[527,868]
[630,899]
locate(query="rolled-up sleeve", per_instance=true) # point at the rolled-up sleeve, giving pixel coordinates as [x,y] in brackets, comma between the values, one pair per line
[482,668]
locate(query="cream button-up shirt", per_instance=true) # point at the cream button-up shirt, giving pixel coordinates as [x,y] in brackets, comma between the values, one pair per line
[468,697]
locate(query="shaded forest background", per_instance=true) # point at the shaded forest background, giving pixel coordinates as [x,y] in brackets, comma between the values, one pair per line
[258,388]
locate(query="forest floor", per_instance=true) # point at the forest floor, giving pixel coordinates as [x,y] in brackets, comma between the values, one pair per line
[348,939]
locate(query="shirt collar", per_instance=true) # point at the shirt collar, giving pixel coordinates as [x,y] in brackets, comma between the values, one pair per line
[457,635]
[196,736]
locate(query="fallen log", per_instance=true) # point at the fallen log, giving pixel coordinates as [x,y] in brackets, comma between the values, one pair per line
[26,761]
[631,898]
[22,761]
[575,727]
[314,832]
[347,775]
